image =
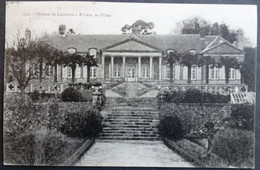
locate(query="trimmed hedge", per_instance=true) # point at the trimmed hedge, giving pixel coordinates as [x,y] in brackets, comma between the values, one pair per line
[82,124]
[71,95]
[170,124]
[193,96]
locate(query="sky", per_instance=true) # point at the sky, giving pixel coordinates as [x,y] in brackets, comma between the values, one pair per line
[108,18]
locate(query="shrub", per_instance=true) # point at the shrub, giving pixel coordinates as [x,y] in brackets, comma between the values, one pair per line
[71,95]
[242,116]
[41,147]
[170,123]
[236,146]
[82,124]
[170,126]
[192,96]
[35,95]
[19,150]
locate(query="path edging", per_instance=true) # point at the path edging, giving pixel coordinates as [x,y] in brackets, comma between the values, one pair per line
[74,157]
[186,155]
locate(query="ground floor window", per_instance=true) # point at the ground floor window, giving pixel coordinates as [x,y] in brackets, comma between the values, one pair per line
[193,72]
[145,71]
[93,72]
[69,72]
[232,73]
[214,72]
[117,70]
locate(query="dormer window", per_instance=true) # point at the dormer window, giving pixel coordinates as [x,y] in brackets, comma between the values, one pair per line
[72,50]
[192,52]
[93,52]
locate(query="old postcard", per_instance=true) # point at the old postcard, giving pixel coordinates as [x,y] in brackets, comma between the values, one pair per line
[129,84]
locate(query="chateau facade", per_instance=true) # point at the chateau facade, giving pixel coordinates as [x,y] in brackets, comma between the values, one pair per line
[140,58]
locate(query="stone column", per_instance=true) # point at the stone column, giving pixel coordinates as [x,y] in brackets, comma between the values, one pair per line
[160,68]
[103,67]
[112,66]
[139,67]
[151,67]
[123,66]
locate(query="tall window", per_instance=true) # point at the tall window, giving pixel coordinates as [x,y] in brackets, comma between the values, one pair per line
[214,72]
[69,72]
[145,71]
[93,72]
[168,72]
[232,73]
[117,70]
[193,72]
[177,72]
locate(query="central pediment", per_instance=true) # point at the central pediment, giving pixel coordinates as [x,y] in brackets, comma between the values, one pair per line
[132,45]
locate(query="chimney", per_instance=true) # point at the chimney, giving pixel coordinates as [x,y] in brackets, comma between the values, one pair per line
[62,30]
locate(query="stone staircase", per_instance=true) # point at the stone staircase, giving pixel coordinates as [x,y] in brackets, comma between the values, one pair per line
[126,122]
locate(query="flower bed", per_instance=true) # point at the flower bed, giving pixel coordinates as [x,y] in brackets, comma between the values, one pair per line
[194,153]
[222,132]
[33,131]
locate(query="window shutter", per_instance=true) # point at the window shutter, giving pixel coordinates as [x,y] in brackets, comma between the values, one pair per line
[98,71]
[198,73]
[69,72]
[109,70]
[185,72]
[238,75]
[85,71]
[222,72]
[163,72]
[210,72]
[77,71]
[65,72]
[58,70]
[177,72]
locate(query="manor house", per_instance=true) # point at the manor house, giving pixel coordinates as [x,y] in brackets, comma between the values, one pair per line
[140,58]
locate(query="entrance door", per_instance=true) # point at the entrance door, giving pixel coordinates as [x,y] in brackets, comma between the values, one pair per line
[131,73]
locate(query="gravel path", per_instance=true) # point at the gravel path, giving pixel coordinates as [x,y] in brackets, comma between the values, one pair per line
[131,153]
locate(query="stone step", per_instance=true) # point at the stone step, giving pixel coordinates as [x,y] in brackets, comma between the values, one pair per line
[130,123]
[146,120]
[147,117]
[128,135]
[128,126]
[133,109]
[129,138]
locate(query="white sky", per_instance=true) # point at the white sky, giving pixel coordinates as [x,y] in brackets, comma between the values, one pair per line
[164,16]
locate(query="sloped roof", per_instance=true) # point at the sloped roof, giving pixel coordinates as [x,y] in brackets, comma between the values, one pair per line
[180,43]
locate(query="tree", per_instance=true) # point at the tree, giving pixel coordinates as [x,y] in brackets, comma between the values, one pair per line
[207,61]
[139,26]
[188,59]
[228,34]
[195,25]
[200,26]
[22,63]
[72,60]
[229,62]
[172,57]
[53,60]
[90,61]
[44,53]
[249,67]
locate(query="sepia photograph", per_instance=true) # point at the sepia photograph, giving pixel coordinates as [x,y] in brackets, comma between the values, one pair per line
[116,84]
